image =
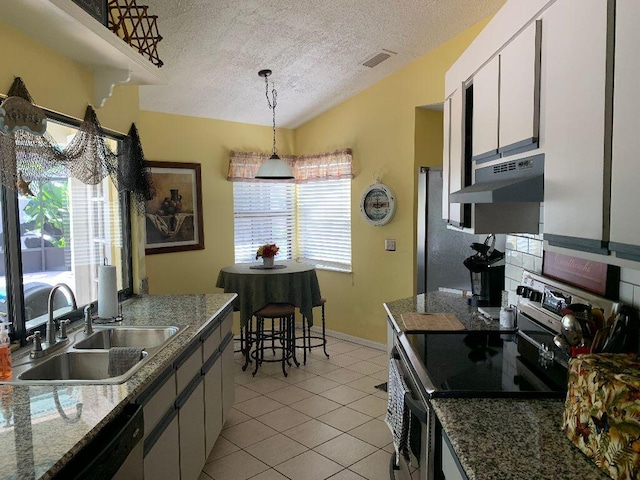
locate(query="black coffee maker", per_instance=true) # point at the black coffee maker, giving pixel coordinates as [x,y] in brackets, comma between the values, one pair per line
[487,273]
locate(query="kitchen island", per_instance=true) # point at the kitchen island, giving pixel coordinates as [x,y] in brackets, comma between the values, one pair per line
[44,426]
[497,438]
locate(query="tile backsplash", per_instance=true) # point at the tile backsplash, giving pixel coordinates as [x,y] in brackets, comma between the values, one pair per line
[524,252]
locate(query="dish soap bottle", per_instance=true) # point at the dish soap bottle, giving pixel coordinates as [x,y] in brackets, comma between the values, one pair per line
[5,352]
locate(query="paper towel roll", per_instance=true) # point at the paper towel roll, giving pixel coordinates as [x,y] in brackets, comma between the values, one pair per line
[107,292]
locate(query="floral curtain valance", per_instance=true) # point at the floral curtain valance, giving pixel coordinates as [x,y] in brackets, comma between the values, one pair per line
[243,166]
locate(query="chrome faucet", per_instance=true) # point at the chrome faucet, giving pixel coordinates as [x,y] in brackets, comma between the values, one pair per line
[50,336]
[88,327]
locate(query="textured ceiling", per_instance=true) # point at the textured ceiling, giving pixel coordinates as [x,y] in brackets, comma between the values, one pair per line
[212,51]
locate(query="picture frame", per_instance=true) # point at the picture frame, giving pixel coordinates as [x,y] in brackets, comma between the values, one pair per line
[173,216]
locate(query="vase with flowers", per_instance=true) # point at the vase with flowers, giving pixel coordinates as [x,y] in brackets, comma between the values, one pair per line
[267,252]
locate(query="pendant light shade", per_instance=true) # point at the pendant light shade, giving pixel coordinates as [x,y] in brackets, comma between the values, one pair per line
[274,168]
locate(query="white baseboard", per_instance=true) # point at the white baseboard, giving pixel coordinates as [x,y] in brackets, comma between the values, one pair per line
[348,338]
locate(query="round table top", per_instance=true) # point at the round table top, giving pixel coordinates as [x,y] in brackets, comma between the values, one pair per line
[291,266]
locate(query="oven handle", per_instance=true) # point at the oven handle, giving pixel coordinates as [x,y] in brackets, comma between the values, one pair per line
[416,408]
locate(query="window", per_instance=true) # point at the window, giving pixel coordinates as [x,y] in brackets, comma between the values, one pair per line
[324,223]
[309,220]
[263,213]
[64,232]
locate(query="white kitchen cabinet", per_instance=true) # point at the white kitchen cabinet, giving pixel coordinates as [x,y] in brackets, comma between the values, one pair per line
[451,468]
[228,384]
[519,106]
[573,111]
[212,371]
[453,173]
[162,451]
[191,418]
[625,214]
[485,111]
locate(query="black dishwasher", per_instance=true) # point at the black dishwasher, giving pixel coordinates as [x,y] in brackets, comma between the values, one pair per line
[117,445]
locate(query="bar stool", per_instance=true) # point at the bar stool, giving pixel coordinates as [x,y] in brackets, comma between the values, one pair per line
[282,338]
[307,337]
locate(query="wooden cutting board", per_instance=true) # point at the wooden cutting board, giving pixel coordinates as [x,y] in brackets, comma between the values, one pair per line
[431,321]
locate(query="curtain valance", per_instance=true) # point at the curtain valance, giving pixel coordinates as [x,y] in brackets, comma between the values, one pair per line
[243,166]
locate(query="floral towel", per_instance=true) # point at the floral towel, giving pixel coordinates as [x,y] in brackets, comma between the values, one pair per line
[602,411]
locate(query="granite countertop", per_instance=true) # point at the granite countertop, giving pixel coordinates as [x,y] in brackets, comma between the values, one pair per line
[440,302]
[37,436]
[512,439]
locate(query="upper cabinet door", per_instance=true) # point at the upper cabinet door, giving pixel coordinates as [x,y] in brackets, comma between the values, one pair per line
[519,107]
[485,111]
[625,214]
[573,104]
[453,170]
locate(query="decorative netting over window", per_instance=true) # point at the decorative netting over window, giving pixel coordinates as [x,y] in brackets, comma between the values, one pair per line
[135,175]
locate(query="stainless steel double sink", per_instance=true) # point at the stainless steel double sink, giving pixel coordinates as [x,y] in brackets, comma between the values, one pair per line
[86,359]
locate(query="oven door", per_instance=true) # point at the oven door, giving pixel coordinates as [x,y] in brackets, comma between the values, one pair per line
[422,421]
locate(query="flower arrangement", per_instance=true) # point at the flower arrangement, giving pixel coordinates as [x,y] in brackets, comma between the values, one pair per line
[269,250]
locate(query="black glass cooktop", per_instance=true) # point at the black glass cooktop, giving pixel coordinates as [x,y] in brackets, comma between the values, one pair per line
[478,364]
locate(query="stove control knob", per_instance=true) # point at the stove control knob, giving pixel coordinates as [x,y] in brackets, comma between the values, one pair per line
[523,291]
[545,356]
[535,296]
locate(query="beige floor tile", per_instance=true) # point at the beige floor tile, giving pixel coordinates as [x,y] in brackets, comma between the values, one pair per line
[341,347]
[248,433]
[204,476]
[365,368]
[290,394]
[245,378]
[312,433]
[266,385]
[319,367]
[309,466]
[276,449]
[283,419]
[345,475]
[375,432]
[343,394]
[381,394]
[317,384]
[243,393]
[366,384]
[365,353]
[344,418]
[342,359]
[257,406]
[235,417]
[315,406]
[382,375]
[237,466]
[275,368]
[270,474]
[370,405]
[222,448]
[380,360]
[389,448]
[342,375]
[345,449]
[373,467]
[297,375]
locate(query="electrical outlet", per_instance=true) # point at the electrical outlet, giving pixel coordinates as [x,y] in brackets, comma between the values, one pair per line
[390,244]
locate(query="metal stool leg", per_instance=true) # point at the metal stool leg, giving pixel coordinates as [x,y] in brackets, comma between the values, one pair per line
[247,344]
[324,337]
[259,343]
[292,338]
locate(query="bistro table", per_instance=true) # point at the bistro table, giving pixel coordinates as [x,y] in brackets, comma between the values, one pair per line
[288,282]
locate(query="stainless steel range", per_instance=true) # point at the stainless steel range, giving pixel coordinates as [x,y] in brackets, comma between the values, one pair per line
[520,363]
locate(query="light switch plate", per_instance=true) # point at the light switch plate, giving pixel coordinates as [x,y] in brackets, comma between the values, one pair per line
[390,244]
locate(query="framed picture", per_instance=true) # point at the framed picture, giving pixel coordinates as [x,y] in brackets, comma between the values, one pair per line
[174,215]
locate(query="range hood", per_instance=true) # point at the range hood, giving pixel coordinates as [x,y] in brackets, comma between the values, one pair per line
[514,181]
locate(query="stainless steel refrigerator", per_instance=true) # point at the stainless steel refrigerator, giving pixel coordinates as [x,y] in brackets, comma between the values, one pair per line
[440,251]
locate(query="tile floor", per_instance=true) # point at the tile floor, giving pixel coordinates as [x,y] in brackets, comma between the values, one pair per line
[324,421]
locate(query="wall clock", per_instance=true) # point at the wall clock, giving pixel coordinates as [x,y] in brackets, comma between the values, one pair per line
[378,204]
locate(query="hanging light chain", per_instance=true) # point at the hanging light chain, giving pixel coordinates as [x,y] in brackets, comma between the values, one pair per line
[272,102]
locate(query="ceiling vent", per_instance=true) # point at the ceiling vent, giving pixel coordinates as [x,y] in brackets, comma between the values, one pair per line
[378,58]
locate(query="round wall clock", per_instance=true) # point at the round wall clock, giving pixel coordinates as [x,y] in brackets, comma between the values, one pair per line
[378,204]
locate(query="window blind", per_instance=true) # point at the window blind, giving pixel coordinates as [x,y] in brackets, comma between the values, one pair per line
[263,213]
[324,223]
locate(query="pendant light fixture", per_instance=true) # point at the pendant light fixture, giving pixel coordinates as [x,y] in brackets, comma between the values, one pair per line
[274,168]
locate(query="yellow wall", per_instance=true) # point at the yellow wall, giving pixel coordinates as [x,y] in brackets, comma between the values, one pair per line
[379,124]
